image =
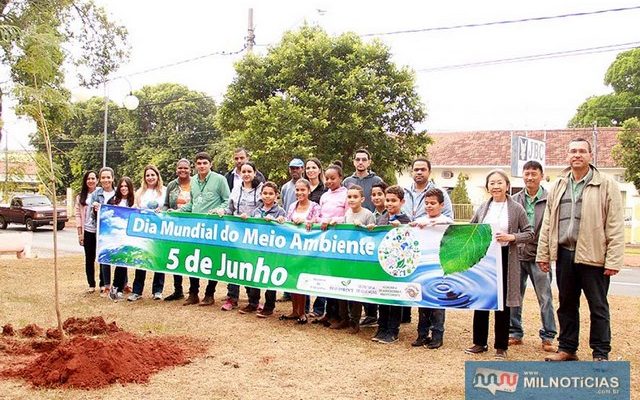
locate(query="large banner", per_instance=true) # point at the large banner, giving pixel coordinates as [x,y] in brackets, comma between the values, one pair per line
[447,266]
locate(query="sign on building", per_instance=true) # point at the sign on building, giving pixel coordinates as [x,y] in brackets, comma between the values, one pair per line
[524,149]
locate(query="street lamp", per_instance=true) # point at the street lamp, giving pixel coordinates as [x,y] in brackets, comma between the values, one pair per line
[130,103]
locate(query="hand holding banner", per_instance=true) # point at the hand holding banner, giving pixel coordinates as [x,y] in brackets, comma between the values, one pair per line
[452,266]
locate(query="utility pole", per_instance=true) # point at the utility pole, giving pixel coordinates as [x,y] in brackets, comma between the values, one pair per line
[595,144]
[251,36]
[6,164]
[106,122]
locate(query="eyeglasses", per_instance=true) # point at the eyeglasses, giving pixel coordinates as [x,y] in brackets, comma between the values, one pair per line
[578,151]
[361,159]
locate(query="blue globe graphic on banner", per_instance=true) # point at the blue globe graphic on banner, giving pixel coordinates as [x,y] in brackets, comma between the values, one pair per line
[399,252]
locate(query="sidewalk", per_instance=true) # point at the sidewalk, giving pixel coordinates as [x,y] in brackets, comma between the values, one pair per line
[632,260]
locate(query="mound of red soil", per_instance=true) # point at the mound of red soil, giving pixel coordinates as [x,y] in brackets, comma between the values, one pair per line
[8,330]
[53,333]
[15,348]
[90,362]
[31,330]
[89,326]
[85,362]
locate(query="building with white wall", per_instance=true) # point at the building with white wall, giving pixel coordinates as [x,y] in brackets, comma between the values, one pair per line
[477,153]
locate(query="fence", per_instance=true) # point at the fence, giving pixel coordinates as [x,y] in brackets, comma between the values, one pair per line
[463,212]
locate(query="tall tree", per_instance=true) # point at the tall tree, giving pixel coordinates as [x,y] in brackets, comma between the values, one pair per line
[171,122]
[44,32]
[33,52]
[627,150]
[612,109]
[313,94]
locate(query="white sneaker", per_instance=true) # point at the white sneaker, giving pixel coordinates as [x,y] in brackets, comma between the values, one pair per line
[90,290]
[157,296]
[134,297]
[117,297]
[113,293]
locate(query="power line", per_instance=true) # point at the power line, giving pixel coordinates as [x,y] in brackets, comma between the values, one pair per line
[158,134]
[180,62]
[535,57]
[502,22]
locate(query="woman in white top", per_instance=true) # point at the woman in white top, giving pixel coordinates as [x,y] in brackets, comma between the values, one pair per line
[150,196]
[243,201]
[511,227]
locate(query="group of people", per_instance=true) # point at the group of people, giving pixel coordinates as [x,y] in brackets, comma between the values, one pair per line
[578,225]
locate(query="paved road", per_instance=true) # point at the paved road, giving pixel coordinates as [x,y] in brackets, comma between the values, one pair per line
[42,245]
[627,282]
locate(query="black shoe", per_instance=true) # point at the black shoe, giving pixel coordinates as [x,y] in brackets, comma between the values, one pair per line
[377,336]
[388,338]
[174,296]
[369,322]
[421,340]
[435,343]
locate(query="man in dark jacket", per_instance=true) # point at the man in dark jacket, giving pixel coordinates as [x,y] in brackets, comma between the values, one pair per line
[240,156]
[534,200]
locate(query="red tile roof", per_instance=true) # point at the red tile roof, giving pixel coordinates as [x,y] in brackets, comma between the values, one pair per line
[493,148]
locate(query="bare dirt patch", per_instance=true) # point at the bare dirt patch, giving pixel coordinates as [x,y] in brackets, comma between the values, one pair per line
[96,355]
[253,358]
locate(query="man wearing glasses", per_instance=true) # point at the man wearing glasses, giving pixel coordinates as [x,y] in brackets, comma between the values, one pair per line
[583,232]
[363,177]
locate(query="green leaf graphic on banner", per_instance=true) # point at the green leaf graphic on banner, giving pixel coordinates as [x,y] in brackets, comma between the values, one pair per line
[462,246]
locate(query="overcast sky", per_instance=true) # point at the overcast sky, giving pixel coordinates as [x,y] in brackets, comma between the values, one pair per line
[528,95]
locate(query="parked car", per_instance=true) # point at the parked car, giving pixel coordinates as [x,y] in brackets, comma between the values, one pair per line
[32,210]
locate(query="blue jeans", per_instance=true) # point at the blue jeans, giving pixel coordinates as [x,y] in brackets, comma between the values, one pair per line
[319,305]
[138,282]
[542,285]
[105,275]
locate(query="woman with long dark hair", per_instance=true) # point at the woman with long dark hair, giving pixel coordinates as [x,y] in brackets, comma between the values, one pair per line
[89,184]
[313,173]
[124,197]
[98,197]
[243,201]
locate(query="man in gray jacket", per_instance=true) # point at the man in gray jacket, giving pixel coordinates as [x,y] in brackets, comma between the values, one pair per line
[534,200]
[363,177]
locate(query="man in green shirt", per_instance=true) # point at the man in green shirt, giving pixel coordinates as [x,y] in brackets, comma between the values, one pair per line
[534,200]
[209,192]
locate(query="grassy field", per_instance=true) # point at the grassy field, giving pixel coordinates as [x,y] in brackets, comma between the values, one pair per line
[251,358]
